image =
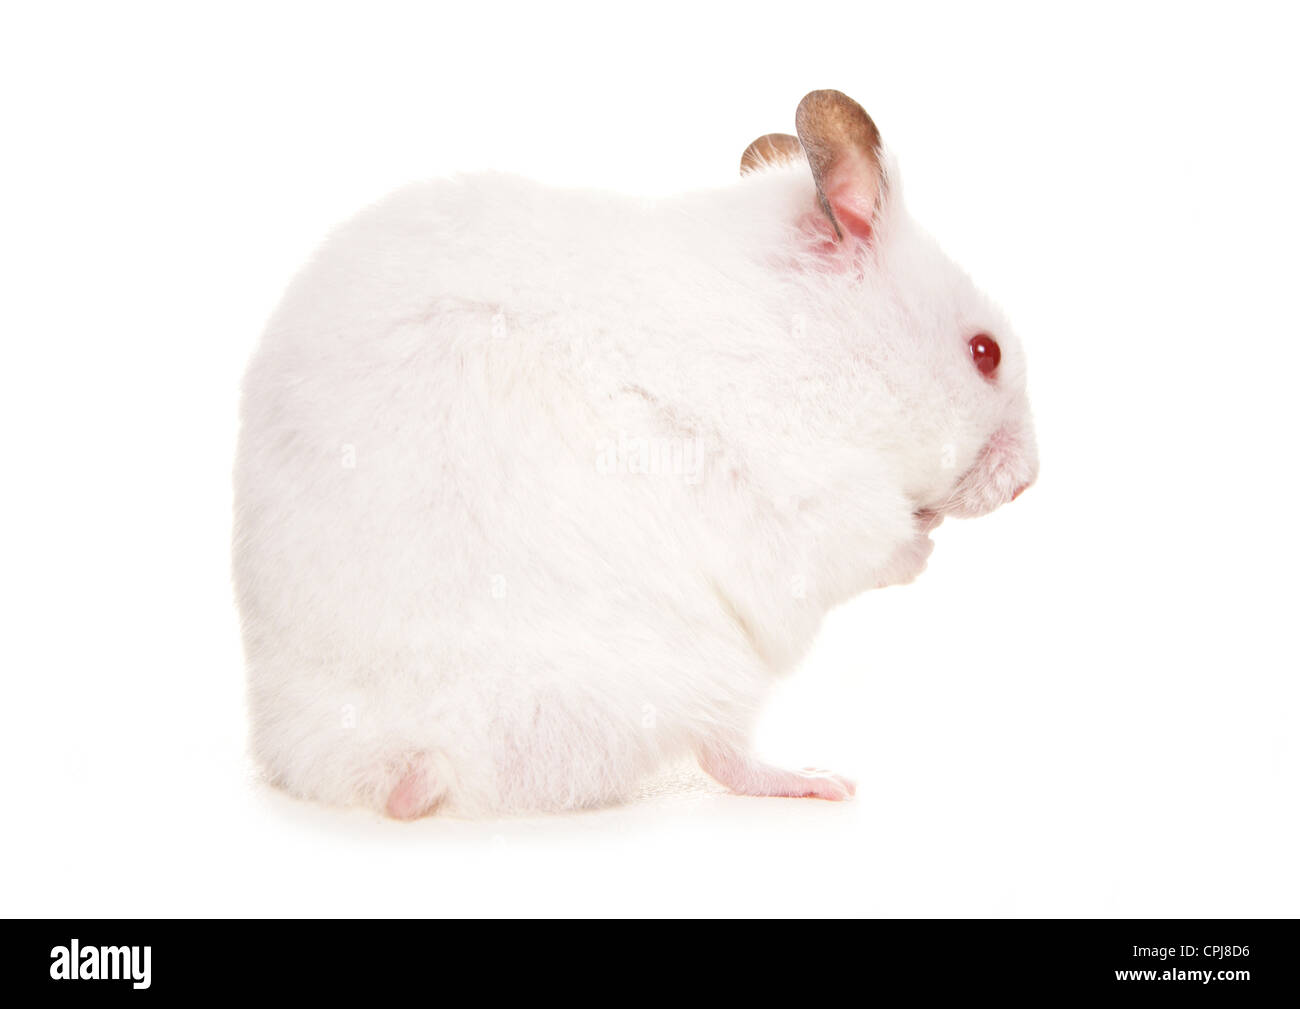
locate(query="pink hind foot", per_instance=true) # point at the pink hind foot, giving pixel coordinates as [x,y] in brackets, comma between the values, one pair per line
[412,797]
[746,776]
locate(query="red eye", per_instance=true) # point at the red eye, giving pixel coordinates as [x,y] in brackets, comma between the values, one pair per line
[985,352]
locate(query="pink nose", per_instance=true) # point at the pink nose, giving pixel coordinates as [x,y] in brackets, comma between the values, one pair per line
[1020,490]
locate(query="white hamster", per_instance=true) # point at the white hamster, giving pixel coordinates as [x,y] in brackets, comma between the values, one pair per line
[539,489]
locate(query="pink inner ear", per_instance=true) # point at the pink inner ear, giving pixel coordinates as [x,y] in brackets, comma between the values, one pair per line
[852,187]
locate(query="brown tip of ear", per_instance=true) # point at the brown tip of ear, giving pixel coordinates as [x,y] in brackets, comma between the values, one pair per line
[770,149]
[827,120]
[835,129]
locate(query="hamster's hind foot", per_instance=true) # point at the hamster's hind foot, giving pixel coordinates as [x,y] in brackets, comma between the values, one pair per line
[746,776]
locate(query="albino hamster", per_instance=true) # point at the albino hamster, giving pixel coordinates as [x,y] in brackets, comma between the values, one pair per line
[539,489]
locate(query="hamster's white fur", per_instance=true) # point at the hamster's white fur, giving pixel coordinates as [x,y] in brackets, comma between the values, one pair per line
[538,490]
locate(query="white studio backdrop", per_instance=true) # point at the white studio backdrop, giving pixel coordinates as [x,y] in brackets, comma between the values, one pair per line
[1085,707]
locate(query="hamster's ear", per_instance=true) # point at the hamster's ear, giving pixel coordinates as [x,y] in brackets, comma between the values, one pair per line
[770,149]
[843,148]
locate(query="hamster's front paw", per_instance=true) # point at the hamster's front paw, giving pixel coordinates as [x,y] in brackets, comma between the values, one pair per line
[908,561]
